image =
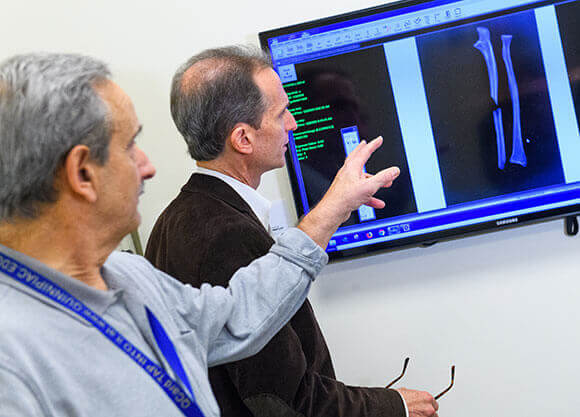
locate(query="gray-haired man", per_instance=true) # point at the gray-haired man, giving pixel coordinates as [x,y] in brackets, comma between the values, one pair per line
[88,332]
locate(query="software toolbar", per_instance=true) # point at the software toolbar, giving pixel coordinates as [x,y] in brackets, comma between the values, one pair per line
[308,43]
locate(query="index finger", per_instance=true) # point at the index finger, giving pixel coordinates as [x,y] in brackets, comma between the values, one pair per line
[361,154]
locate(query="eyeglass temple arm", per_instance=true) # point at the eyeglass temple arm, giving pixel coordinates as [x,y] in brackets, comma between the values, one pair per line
[394,381]
[450,385]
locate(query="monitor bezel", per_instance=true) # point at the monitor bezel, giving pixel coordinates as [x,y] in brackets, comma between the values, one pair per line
[426,239]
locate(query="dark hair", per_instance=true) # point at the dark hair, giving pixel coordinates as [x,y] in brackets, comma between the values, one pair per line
[209,100]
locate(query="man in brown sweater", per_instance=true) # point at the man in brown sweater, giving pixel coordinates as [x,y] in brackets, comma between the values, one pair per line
[232,111]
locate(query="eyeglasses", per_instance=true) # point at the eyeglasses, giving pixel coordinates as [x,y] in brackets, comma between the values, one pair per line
[397,379]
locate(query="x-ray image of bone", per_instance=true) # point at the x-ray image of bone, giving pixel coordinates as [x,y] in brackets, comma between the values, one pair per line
[518,153]
[485,46]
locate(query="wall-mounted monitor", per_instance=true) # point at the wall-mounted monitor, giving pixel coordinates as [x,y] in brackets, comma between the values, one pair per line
[478,102]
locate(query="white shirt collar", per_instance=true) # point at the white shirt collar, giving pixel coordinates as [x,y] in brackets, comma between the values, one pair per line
[259,205]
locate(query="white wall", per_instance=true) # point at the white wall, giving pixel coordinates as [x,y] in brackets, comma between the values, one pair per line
[500,306]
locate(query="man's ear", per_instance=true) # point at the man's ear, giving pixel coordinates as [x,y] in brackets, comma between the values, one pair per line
[242,139]
[80,173]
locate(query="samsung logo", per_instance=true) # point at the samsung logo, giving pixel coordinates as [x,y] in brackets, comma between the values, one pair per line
[507,221]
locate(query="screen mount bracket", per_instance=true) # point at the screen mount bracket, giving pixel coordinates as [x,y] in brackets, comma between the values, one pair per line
[571,225]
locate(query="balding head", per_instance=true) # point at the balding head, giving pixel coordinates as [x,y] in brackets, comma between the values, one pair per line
[202,72]
[212,92]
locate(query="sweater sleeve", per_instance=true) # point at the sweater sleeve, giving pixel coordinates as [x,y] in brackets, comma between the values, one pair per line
[236,321]
[265,296]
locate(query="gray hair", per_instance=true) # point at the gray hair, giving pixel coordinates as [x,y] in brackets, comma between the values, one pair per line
[47,106]
[207,102]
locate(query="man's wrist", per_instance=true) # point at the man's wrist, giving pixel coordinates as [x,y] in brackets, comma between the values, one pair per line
[319,225]
[323,220]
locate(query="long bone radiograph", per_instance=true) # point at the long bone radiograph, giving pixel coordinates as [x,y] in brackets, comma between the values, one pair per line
[485,47]
[518,154]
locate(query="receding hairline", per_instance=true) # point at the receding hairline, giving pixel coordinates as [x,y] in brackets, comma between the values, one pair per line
[208,69]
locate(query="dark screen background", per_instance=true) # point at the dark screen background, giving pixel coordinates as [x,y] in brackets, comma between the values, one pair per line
[356,87]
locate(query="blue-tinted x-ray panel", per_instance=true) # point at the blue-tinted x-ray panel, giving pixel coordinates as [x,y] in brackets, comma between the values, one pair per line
[461,106]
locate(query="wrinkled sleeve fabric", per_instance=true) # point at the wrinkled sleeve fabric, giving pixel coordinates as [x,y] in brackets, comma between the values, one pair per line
[236,321]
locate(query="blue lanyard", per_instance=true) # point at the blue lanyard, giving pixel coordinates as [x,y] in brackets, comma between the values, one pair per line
[168,350]
[46,287]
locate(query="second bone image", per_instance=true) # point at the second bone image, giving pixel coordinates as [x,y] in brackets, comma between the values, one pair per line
[485,46]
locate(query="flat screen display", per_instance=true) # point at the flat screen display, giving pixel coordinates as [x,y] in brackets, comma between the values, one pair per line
[478,102]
